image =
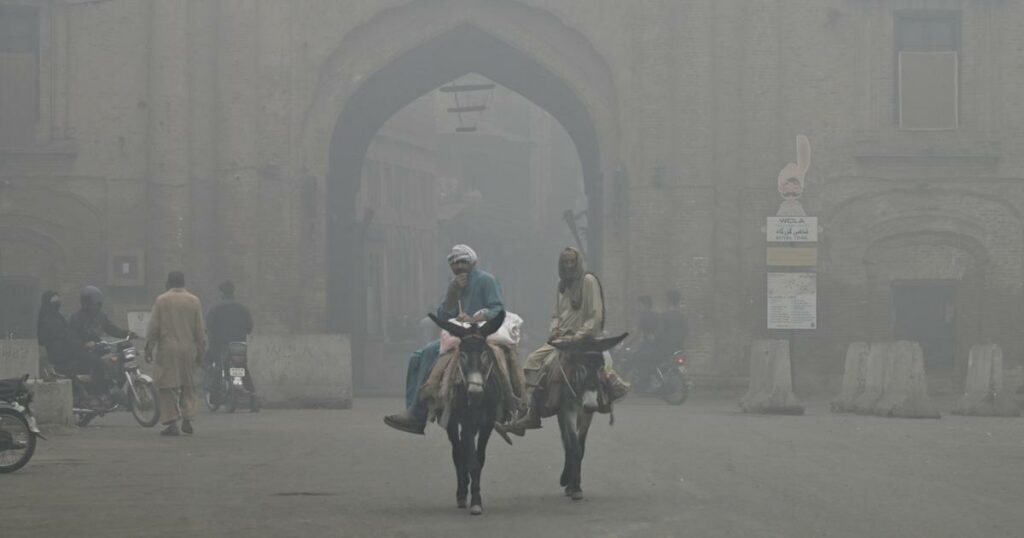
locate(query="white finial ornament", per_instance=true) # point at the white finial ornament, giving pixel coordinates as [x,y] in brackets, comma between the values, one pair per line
[792,180]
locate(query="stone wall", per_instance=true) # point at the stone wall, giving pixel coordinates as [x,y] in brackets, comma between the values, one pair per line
[204,144]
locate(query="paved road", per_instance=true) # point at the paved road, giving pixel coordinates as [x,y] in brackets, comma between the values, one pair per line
[702,470]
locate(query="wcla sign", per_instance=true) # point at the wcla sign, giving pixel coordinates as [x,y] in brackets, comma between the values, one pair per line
[792,229]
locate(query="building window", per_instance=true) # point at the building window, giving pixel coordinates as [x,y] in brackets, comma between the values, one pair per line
[927,69]
[19,73]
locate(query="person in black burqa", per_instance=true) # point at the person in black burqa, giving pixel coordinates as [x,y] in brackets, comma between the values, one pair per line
[54,334]
[228,321]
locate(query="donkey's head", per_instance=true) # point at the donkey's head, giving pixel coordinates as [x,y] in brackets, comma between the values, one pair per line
[474,353]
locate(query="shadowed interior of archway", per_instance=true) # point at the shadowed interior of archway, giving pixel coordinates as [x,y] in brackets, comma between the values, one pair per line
[462,50]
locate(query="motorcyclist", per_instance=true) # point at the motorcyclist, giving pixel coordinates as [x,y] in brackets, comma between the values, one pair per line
[88,325]
[228,321]
[673,329]
[643,338]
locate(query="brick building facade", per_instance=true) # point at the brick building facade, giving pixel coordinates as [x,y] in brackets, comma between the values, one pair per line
[227,138]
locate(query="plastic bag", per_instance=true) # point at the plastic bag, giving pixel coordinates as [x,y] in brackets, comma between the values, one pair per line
[508,335]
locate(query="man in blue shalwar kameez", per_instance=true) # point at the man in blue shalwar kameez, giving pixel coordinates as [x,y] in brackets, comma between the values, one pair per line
[473,295]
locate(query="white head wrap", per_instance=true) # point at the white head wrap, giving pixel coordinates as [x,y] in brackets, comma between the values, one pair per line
[462,253]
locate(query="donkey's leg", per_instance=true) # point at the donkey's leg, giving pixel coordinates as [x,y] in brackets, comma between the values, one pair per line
[484,435]
[472,463]
[461,475]
[571,444]
[563,480]
[586,418]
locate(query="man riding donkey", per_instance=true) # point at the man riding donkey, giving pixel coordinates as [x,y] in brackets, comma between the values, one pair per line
[471,290]
[578,316]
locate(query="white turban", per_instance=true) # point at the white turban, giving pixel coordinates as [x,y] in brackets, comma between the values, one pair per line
[462,253]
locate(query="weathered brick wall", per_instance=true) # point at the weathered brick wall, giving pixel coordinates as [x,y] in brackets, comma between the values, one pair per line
[702,103]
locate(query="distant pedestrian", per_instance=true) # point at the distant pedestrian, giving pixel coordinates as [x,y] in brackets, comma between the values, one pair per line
[177,333]
[673,329]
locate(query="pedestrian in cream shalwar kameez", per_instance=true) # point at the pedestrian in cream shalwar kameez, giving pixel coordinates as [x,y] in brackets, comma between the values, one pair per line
[176,331]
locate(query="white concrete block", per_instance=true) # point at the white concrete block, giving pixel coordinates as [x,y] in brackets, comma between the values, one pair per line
[905,393]
[19,357]
[771,380]
[875,368]
[311,370]
[984,394]
[51,401]
[854,377]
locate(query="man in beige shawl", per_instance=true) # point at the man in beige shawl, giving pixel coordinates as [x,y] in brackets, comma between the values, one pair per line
[176,331]
[579,313]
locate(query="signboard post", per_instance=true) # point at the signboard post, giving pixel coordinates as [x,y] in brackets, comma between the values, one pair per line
[792,294]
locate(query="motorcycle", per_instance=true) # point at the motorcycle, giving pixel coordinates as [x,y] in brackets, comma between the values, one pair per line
[130,388]
[664,378]
[229,380]
[18,429]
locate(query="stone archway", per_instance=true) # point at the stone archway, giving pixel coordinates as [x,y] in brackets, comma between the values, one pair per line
[403,53]
[926,238]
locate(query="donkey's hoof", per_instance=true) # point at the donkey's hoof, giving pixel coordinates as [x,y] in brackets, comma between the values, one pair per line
[476,510]
[577,495]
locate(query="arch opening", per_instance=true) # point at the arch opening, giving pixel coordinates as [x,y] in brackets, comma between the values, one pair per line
[457,52]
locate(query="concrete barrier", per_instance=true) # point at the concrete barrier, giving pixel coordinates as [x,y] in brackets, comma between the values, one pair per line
[905,392]
[311,370]
[19,357]
[984,395]
[875,368]
[771,380]
[51,401]
[854,373]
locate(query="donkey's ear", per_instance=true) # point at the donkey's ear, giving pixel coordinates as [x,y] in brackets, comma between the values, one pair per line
[600,345]
[493,325]
[457,331]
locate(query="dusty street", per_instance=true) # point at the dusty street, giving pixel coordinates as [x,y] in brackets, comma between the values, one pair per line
[700,470]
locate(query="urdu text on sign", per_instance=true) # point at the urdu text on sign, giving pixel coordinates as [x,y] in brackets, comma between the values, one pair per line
[792,229]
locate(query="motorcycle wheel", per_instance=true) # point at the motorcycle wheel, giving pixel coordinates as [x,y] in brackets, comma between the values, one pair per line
[212,403]
[14,429]
[144,404]
[676,389]
[232,403]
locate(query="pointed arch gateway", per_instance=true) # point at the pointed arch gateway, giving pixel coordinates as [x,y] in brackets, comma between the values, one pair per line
[406,52]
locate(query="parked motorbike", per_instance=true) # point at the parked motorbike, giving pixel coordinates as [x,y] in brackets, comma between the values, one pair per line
[649,375]
[230,381]
[18,429]
[129,389]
